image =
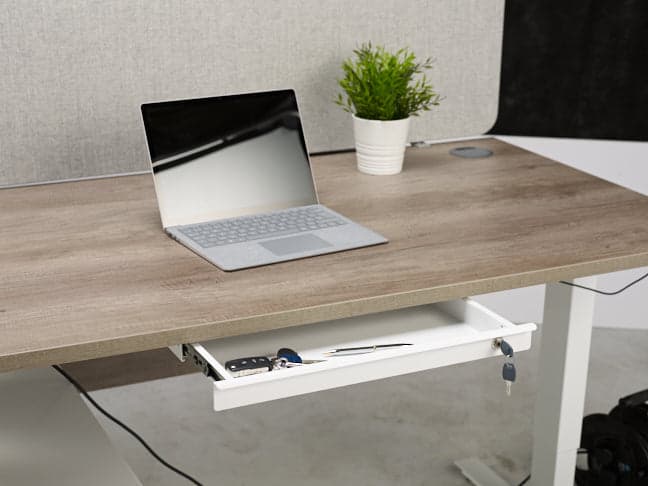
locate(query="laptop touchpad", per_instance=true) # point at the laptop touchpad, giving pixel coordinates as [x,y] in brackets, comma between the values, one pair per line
[295,244]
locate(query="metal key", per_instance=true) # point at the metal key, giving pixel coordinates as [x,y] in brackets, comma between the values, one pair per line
[280,363]
[508,374]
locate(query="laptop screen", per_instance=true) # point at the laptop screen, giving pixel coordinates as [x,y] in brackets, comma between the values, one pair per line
[227,156]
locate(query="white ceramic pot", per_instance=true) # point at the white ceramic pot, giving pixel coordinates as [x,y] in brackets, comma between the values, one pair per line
[380,145]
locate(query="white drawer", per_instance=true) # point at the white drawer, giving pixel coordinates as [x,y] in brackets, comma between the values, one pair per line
[441,334]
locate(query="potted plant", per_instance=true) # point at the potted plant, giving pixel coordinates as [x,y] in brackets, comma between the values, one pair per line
[382,91]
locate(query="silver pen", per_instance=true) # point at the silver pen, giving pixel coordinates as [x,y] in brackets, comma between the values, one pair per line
[363,349]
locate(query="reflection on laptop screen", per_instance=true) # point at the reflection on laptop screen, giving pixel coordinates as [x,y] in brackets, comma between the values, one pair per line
[228,156]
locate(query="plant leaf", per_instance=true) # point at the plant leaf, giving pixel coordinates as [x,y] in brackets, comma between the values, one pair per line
[382,85]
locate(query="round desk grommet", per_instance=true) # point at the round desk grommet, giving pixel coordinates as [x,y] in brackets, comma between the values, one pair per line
[471,152]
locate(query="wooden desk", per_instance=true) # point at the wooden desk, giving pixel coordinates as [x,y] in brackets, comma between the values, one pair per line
[87,271]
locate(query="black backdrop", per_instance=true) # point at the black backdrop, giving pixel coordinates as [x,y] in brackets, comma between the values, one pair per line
[575,69]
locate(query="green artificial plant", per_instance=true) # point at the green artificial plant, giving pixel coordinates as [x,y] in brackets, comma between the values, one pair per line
[381,85]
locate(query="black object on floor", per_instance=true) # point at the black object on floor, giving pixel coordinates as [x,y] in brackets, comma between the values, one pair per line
[616,445]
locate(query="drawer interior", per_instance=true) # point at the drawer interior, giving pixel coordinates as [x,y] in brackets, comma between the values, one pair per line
[439,334]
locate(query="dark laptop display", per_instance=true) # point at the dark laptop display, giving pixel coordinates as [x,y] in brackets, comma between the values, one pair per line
[228,156]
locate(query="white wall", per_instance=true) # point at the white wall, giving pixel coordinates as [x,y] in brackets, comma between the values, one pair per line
[624,163]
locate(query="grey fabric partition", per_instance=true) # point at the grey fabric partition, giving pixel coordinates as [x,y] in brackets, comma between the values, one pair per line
[74,72]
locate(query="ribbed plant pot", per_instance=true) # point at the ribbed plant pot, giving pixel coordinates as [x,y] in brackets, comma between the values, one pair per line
[380,145]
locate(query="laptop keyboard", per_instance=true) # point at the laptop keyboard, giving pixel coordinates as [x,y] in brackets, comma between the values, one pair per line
[248,228]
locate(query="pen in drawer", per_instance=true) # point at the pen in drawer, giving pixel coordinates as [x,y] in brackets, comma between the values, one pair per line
[363,349]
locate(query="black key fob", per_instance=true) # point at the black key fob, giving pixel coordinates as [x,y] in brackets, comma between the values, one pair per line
[248,366]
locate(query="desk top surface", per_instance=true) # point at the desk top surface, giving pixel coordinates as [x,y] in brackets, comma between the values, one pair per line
[87,270]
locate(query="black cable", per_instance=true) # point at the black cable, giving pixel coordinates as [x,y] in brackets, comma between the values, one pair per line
[603,292]
[81,390]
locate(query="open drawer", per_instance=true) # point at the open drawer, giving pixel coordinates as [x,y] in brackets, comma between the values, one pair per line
[440,334]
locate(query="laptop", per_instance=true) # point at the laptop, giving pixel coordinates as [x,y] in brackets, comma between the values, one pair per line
[234,183]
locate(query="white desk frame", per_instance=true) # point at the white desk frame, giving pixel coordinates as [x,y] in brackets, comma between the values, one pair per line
[49,436]
[564,360]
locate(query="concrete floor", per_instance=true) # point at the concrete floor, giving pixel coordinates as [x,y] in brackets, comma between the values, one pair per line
[406,430]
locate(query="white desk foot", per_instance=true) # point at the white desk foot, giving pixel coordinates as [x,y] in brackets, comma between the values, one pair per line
[479,473]
[562,381]
[49,437]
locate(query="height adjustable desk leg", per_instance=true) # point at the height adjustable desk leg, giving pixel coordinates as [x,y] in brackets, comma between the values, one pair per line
[564,358]
[562,381]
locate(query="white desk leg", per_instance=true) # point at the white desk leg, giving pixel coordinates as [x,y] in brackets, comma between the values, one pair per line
[48,436]
[562,381]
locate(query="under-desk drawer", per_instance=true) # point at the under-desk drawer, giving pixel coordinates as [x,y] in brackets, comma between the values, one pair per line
[439,335]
